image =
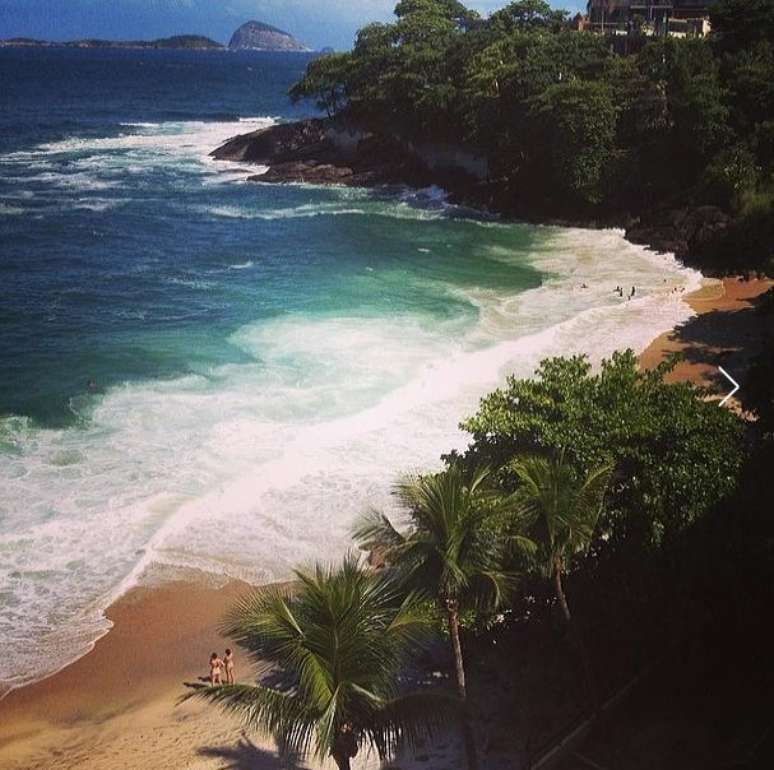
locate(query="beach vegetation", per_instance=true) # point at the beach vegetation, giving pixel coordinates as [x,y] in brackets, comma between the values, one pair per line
[338,642]
[559,509]
[453,550]
[673,453]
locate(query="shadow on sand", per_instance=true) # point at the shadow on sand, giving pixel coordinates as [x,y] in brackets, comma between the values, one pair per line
[245,755]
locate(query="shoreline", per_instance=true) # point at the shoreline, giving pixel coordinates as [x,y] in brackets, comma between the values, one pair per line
[121,697]
[130,681]
[723,332]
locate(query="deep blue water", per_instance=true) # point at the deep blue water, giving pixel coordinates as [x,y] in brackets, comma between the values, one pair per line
[111,250]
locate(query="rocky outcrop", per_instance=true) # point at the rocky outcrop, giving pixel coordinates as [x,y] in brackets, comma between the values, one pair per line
[322,152]
[257,36]
[682,230]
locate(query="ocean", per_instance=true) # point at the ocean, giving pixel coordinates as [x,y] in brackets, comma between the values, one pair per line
[200,372]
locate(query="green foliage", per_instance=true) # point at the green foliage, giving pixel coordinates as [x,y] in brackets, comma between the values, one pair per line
[527,15]
[739,24]
[325,81]
[339,640]
[614,133]
[453,549]
[577,120]
[731,174]
[675,455]
[558,507]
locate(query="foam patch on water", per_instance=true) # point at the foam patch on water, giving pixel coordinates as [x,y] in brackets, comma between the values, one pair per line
[428,205]
[85,164]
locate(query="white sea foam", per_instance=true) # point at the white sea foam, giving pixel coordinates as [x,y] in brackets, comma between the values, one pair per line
[102,163]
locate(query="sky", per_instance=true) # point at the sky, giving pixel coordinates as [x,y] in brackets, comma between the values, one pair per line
[318,23]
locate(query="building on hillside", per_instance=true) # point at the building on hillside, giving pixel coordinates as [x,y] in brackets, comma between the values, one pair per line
[680,18]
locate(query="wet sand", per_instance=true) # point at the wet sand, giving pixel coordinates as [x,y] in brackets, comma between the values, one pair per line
[117,708]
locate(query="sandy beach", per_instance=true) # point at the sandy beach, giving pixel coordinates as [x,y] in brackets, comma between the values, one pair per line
[117,707]
[724,333]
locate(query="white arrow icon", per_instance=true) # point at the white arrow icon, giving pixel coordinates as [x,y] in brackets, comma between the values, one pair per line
[732,381]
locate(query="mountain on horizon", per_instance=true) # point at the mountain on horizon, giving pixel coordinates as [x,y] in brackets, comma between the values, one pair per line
[258,36]
[193,42]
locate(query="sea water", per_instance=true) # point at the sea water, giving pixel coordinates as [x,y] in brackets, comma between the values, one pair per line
[204,372]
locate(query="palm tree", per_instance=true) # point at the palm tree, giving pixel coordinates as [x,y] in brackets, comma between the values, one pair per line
[560,510]
[338,640]
[450,550]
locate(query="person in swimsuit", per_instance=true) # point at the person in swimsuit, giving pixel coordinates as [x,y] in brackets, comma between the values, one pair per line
[216,667]
[228,661]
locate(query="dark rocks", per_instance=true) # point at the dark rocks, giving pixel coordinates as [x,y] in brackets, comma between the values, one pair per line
[318,152]
[299,171]
[325,151]
[305,140]
[681,230]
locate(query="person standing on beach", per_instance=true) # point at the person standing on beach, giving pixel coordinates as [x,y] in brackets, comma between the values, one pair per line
[228,660]
[216,667]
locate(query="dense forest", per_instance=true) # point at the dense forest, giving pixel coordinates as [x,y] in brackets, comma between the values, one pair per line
[569,127]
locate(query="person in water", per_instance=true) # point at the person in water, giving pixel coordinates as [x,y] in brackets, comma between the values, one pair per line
[216,669]
[228,660]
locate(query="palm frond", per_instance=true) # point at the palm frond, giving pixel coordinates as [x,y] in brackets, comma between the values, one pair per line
[410,719]
[556,507]
[278,714]
[373,530]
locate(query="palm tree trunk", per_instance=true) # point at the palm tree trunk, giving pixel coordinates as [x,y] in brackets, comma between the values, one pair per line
[575,632]
[559,589]
[344,748]
[453,616]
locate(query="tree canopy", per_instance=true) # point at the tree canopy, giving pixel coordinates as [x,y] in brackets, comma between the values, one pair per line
[687,120]
[674,454]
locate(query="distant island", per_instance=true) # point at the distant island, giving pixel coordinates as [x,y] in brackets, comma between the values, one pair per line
[195,42]
[257,36]
[252,36]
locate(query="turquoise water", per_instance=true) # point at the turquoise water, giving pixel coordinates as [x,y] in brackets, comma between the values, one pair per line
[206,373]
